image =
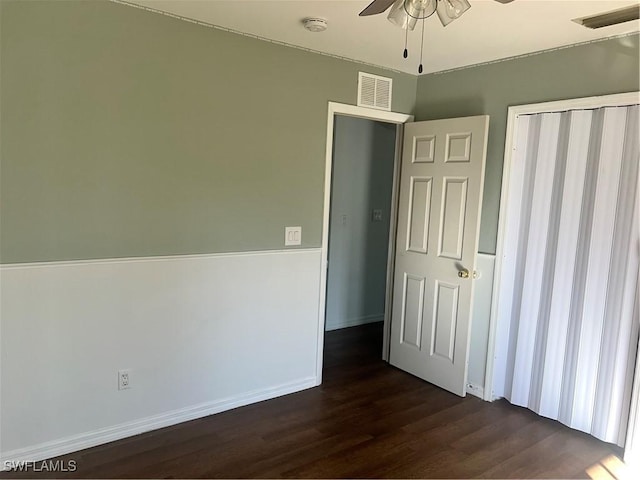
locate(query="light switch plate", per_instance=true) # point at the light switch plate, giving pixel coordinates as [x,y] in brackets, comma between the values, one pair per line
[292,236]
[376,215]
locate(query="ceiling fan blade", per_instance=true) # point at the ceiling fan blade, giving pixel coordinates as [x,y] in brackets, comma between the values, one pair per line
[504,1]
[376,7]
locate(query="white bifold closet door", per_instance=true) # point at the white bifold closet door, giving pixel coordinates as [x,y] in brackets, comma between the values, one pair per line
[569,283]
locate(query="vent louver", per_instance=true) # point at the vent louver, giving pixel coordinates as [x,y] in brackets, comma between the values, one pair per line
[374,91]
[614,17]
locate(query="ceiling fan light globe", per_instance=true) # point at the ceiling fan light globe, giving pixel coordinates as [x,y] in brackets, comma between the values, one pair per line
[449,10]
[419,9]
[455,8]
[406,13]
[398,16]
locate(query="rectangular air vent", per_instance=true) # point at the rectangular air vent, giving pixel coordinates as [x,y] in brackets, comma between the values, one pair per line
[614,17]
[374,91]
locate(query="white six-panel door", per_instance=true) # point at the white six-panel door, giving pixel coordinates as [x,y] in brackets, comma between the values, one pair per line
[441,182]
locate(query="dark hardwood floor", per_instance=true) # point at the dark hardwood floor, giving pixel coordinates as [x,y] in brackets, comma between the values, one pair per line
[368,419]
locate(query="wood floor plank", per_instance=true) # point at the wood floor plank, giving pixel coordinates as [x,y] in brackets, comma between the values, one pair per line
[367,420]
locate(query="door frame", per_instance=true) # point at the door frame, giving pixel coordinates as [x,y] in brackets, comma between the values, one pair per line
[614,100]
[632,440]
[399,119]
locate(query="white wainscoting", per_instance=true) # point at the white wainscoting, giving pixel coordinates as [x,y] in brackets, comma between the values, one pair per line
[200,333]
[480,325]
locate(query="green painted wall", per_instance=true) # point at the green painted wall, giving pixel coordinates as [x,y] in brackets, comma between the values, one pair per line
[600,68]
[129,133]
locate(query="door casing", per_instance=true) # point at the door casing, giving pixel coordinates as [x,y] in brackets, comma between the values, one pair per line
[370,114]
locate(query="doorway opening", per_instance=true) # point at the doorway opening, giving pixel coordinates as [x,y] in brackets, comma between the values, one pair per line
[362,160]
[359,236]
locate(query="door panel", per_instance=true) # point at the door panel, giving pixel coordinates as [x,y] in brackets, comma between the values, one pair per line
[413,301]
[445,320]
[420,208]
[441,180]
[452,219]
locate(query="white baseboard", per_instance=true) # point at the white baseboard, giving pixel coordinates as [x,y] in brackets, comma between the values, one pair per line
[353,322]
[475,390]
[75,443]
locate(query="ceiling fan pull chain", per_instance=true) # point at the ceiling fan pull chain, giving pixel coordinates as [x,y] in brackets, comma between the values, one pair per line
[421,48]
[405,54]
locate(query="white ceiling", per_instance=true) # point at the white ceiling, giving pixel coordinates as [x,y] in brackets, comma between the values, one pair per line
[488,31]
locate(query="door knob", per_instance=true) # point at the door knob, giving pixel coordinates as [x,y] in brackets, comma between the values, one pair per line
[464,273]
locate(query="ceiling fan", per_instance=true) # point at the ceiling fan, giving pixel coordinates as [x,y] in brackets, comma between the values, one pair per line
[406,13]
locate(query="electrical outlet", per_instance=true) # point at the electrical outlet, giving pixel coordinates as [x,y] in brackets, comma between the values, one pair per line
[124,379]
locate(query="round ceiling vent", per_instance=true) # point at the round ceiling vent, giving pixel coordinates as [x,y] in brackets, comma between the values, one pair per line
[314,24]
